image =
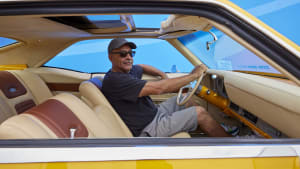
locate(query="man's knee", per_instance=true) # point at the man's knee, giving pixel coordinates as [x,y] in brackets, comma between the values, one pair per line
[201,113]
[200,110]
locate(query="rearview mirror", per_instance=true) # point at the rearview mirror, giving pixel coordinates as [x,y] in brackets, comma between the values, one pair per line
[208,43]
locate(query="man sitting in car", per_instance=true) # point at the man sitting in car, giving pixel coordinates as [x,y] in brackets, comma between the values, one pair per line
[129,95]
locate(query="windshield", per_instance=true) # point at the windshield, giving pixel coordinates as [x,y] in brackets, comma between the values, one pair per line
[224,53]
[278,14]
[6,41]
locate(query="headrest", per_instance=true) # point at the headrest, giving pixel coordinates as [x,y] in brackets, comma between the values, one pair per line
[97,81]
[10,85]
[12,88]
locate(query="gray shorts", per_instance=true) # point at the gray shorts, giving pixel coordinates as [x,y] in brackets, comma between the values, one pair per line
[171,119]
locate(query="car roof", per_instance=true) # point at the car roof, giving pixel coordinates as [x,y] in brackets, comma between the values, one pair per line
[46,28]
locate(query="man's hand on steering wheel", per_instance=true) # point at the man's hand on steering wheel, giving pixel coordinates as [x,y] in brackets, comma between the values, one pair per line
[199,70]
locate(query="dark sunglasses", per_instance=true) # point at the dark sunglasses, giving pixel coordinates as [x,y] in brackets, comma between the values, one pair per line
[123,54]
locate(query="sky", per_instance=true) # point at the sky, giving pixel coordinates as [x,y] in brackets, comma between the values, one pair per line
[281,15]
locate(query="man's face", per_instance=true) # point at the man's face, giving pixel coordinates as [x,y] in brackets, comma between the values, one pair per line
[121,60]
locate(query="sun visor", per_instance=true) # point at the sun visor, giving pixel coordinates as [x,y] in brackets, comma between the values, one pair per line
[176,23]
[125,24]
[99,25]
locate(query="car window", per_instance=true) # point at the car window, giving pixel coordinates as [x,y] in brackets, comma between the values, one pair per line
[278,14]
[91,56]
[153,21]
[224,53]
[6,41]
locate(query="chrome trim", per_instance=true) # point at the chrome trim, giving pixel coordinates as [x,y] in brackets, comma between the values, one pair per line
[30,155]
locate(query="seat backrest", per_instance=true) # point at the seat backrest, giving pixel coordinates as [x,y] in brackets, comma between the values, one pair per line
[91,95]
[55,118]
[19,91]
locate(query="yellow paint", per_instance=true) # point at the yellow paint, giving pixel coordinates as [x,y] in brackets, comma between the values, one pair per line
[223,104]
[262,73]
[286,40]
[246,122]
[238,163]
[213,98]
[274,76]
[13,67]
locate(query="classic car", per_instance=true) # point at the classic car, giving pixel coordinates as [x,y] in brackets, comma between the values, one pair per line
[53,56]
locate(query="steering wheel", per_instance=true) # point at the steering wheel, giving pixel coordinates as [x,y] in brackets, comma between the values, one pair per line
[181,100]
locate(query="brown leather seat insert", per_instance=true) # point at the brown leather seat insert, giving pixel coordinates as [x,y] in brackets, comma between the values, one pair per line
[59,118]
[10,85]
[12,88]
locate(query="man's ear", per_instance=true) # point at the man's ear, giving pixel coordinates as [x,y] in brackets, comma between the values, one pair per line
[109,56]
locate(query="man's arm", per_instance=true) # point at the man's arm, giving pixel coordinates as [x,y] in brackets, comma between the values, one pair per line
[150,70]
[171,85]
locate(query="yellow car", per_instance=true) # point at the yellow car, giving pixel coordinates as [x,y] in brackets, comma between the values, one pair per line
[53,57]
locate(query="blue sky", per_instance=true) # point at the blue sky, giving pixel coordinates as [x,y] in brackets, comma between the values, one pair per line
[281,15]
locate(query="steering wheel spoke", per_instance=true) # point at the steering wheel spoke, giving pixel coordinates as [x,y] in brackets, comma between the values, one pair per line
[182,99]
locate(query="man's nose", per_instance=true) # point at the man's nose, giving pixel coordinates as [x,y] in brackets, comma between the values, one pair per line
[128,54]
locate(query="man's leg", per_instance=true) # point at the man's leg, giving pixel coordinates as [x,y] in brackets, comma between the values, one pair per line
[190,103]
[170,106]
[167,124]
[170,114]
[208,124]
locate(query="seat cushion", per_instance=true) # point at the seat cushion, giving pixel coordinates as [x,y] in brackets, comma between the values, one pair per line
[59,118]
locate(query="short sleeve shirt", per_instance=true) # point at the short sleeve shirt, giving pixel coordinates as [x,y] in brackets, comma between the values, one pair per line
[122,90]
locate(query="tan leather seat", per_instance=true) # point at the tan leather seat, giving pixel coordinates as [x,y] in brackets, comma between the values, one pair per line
[91,94]
[19,91]
[93,97]
[55,118]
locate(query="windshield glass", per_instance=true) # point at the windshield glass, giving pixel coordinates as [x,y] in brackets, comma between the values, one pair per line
[91,56]
[6,41]
[224,53]
[278,14]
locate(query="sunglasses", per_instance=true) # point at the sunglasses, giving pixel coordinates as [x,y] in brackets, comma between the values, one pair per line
[123,54]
